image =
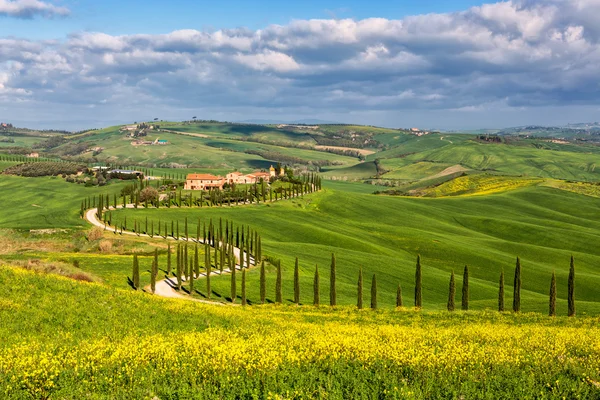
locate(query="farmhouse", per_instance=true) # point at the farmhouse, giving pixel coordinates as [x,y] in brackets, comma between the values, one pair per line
[239,178]
[33,155]
[208,181]
[203,181]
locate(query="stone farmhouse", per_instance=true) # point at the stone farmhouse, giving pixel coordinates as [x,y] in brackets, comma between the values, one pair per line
[209,181]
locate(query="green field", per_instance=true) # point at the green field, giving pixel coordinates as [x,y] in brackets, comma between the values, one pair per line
[67,339]
[73,327]
[542,225]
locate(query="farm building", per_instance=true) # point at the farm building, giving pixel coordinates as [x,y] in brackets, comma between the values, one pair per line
[203,181]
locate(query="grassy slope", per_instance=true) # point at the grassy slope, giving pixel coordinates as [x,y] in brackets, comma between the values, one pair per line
[67,339]
[217,151]
[45,202]
[544,226]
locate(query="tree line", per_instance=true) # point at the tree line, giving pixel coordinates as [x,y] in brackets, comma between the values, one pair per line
[418,297]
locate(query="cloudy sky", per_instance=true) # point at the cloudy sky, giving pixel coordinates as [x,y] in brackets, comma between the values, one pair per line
[439,64]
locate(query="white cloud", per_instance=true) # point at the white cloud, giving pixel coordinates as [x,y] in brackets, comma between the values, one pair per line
[532,53]
[31,8]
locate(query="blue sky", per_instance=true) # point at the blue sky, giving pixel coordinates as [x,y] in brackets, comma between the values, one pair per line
[154,16]
[433,64]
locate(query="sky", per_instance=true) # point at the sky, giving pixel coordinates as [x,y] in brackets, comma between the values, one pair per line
[78,64]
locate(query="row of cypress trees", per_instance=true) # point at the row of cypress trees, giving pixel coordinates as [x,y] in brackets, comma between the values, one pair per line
[182,264]
[516,305]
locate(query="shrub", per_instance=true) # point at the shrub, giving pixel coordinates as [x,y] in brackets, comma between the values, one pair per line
[95,233]
[105,246]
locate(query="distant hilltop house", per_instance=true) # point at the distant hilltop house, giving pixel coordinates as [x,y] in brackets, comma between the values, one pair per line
[33,155]
[414,129]
[209,181]
[418,132]
[129,128]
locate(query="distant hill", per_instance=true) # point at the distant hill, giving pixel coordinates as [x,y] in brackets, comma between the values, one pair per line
[276,122]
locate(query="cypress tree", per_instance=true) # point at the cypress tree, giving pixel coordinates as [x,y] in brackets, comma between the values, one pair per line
[263,283]
[399,296]
[208,268]
[374,293]
[316,294]
[296,283]
[332,292]
[418,294]
[451,293]
[191,279]
[465,289]
[278,290]
[571,289]
[501,292]
[517,287]
[186,272]
[135,278]
[233,286]
[552,305]
[196,263]
[359,300]
[243,286]
[178,266]
[169,259]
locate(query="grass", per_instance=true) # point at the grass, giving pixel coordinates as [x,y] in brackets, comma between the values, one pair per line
[66,339]
[543,226]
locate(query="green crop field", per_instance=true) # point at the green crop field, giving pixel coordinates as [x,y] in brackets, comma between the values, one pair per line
[74,327]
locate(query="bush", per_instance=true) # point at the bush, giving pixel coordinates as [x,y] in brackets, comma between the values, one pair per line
[95,233]
[148,194]
[44,168]
[105,246]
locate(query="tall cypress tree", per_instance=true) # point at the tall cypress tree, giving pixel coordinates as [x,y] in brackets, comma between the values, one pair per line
[179,265]
[316,294]
[501,292]
[169,259]
[191,278]
[196,261]
[208,268]
[465,289]
[374,293]
[399,296]
[263,283]
[359,300]
[135,278]
[233,286]
[418,289]
[296,283]
[571,289]
[451,292]
[517,287]
[278,290]
[243,286]
[552,305]
[332,292]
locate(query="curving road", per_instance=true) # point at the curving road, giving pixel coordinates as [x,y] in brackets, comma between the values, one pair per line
[165,287]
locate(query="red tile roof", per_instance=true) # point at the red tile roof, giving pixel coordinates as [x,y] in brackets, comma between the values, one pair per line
[203,177]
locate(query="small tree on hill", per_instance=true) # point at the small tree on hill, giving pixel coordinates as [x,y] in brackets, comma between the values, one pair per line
[399,296]
[208,268]
[374,293]
[332,292]
[243,287]
[233,285]
[359,300]
[552,305]
[191,278]
[316,294]
[465,289]
[278,289]
[296,283]
[571,289]
[418,294]
[517,287]
[135,277]
[451,292]
[263,283]
[501,292]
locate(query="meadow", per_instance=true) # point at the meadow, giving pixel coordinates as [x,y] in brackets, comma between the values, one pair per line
[384,235]
[68,339]
[73,327]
